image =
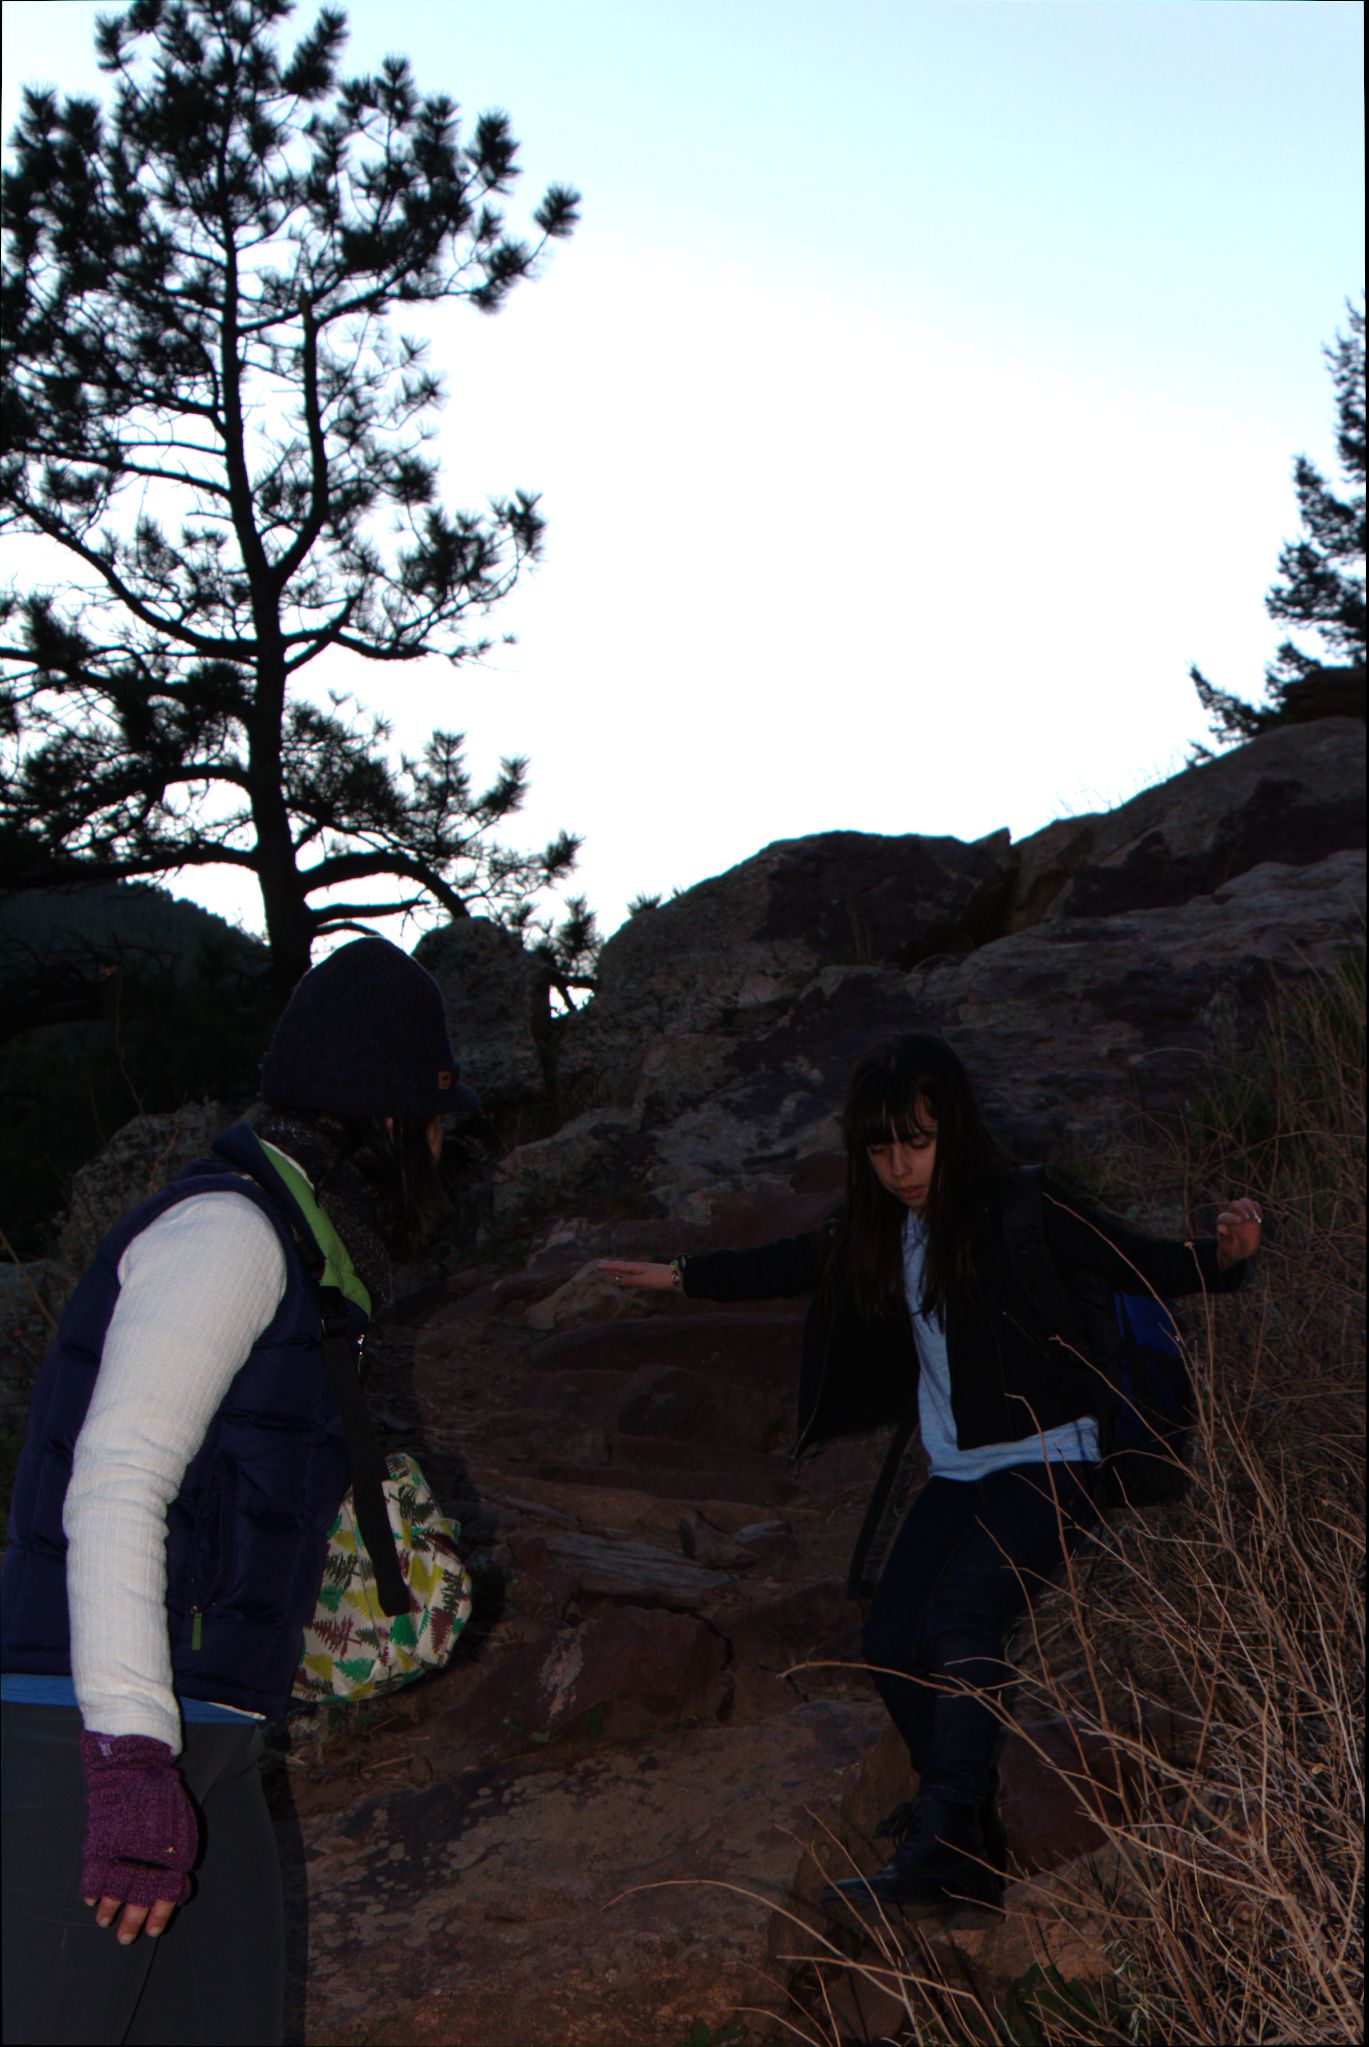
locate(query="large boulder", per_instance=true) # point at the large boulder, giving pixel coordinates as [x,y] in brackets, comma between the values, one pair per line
[680,986]
[725,953]
[1295,795]
[592,1155]
[141,1159]
[1068,1029]
[495,994]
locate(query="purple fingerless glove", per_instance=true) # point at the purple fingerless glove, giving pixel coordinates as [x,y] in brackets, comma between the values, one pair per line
[141,1830]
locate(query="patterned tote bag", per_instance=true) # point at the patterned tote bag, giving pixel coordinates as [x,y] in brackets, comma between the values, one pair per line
[353,1649]
[395,1593]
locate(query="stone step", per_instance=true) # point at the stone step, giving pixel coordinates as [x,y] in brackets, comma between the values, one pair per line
[667,1472]
[596,1502]
[588,1567]
[651,1451]
[750,1346]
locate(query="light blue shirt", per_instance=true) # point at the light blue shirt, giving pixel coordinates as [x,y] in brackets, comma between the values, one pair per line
[1073,1442]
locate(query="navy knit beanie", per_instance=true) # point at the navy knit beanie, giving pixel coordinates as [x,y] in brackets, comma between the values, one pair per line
[365,1034]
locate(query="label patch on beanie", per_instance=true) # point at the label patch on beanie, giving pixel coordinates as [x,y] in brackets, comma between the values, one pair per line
[444,1081]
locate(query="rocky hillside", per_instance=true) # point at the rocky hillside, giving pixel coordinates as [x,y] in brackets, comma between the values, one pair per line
[1088,972]
[531,1850]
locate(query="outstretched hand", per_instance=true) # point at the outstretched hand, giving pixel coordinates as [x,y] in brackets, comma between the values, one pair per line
[635,1272]
[1238,1231]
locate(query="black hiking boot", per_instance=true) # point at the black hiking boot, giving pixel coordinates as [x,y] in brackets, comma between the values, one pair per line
[941,1859]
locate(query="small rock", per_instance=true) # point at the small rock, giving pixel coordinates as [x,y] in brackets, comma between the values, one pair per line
[758,1695]
[633,1668]
[757,1543]
[583,1157]
[589,1295]
[697,1408]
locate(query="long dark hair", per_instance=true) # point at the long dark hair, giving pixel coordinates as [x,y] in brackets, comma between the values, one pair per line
[901,1091]
[396,1162]
[401,1196]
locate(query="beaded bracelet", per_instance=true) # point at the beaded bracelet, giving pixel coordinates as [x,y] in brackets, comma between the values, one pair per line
[677,1274]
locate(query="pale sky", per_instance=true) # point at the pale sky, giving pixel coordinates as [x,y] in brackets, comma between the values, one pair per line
[916,401]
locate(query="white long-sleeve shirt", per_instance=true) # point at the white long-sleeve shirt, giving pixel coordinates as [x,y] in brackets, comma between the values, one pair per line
[196,1290]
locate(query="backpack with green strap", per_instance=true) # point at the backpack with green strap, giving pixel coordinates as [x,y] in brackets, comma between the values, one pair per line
[395,1593]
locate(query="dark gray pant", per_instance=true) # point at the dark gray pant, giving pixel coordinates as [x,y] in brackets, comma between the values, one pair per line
[970,1559]
[215,1978]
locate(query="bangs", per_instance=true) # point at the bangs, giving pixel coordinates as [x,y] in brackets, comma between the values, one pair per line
[878,1115]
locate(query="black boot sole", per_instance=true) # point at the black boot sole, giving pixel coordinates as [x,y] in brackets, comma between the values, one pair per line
[954,1901]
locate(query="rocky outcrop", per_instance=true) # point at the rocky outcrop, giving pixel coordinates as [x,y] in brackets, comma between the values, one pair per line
[1295,796]
[1067,1032]
[729,952]
[1069,1029]
[138,1160]
[496,998]
[1131,952]
[655,1736]
[683,985]
[1324,693]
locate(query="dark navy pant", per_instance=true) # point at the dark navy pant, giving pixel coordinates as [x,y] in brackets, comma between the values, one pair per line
[970,1558]
[215,1978]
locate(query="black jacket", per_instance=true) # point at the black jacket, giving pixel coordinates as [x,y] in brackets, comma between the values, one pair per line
[1008,1377]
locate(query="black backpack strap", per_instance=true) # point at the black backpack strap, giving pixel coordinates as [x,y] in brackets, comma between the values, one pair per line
[857,1586]
[363,1452]
[1024,1232]
[1087,1325]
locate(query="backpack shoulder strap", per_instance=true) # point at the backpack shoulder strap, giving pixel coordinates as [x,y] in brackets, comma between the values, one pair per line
[1024,1232]
[363,1451]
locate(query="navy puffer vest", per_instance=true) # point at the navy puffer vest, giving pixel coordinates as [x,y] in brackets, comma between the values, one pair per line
[246,1533]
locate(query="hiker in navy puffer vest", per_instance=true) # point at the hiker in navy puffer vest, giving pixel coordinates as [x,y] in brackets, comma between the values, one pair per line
[923,1316]
[184,1462]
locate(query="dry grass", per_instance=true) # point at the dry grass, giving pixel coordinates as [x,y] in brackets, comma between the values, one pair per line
[1213,1653]
[1226,1639]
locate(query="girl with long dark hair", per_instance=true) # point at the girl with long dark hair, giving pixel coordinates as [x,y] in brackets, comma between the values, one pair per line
[184,1462]
[921,1317]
